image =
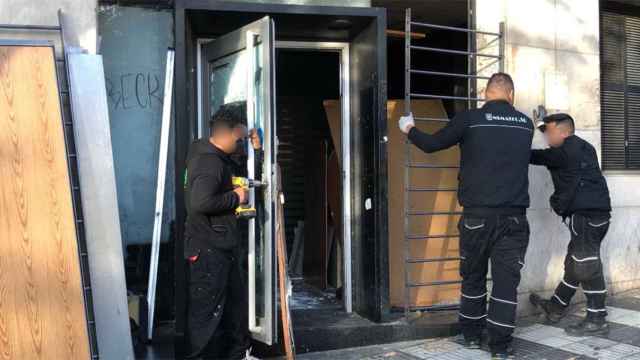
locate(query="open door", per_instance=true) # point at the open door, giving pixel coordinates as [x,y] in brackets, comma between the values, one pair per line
[239,66]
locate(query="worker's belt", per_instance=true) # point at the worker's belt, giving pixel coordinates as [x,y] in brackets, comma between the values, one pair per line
[486,211]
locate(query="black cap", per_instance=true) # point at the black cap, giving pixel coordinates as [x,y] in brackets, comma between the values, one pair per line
[553,118]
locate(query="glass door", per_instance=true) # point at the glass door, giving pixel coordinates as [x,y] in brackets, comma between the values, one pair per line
[239,67]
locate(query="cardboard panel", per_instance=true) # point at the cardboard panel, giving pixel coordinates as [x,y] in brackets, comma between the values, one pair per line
[332,110]
[424,201]
[42,313]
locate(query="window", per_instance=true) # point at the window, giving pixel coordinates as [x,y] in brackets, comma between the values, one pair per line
[620,89]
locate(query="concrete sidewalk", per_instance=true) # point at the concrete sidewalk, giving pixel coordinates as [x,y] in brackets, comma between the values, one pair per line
[534,339]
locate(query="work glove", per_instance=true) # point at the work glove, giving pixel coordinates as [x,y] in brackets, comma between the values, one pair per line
[406,123]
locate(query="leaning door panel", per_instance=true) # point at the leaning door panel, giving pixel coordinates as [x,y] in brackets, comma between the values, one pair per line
[239,67]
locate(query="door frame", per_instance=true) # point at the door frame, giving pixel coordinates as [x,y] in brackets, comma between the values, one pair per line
[345,142]
[342,48]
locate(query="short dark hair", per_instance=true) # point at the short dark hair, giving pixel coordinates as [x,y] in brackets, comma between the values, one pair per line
[560,119]
[502,81]
[229,116]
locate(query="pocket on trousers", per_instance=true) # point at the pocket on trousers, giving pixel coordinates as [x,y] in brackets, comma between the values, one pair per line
[471,230]
[471,224]
[596,229]
[223,234]
[208,279]
[586,265]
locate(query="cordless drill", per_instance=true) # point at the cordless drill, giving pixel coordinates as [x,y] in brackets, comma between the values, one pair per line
[246,211]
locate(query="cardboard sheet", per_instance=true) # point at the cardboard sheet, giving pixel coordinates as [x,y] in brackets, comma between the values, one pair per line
[424,201]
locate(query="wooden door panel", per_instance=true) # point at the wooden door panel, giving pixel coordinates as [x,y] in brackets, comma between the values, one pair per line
[42,312]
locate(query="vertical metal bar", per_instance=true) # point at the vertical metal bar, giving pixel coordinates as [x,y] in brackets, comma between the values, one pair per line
[407,169]
[501,46]
[346,177]
[469,57]
[626,94]
[162,174]
[251,111]
[80,235]
[473,47]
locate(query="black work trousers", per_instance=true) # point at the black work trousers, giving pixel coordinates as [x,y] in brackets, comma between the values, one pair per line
[499,236]
[582,264]
[217,306]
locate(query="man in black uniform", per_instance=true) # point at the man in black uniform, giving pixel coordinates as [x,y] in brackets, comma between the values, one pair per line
[217,298]
[581,198]
[495,146]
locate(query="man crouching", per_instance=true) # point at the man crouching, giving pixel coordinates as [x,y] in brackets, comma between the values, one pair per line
[581,198]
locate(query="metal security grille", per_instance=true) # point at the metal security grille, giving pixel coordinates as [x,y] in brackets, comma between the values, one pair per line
[478,61]
[620,90]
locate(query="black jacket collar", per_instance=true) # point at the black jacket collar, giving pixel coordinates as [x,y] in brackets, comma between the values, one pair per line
[499,102]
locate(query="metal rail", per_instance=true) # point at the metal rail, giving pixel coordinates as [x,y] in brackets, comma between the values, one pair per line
[439,73]
[442,27]
[455,52]
[471,100]
[418,118]
[445,97]
[31,27]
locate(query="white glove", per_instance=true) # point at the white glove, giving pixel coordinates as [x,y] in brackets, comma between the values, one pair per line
[406,123]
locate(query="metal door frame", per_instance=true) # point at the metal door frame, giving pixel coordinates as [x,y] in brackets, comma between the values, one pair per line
[343,49]
[345,139]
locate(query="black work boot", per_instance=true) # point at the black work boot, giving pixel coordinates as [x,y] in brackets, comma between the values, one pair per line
[589,327]
[552,311]
[506,354]
[473,342]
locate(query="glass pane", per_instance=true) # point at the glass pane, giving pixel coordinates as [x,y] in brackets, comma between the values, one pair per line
[227,82]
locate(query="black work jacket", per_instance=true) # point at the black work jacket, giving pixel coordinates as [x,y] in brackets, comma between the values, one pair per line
[578,182]
[495,147]
[210,200]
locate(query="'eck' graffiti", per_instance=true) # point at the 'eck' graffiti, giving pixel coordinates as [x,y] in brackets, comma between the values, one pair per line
[134,91]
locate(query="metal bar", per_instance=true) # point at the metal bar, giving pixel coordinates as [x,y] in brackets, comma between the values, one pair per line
[430,119]
[407,174]
[426,237]
[439,73]
[426,189]
[443,307]
[31,27]
[250,37]
[162,173]
[429,166]
[433,283]
[487,66]
[442,27]
[471,61]
[455,52]
[501,47]
[423,261]
[488,44]
[432,213]
[77,207]
[445,97]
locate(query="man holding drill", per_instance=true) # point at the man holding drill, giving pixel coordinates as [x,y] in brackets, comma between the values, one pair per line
[581,198]
[495,146]
[217,321]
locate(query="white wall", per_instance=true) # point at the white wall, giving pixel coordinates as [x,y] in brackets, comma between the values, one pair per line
[545,37]
[81,15]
